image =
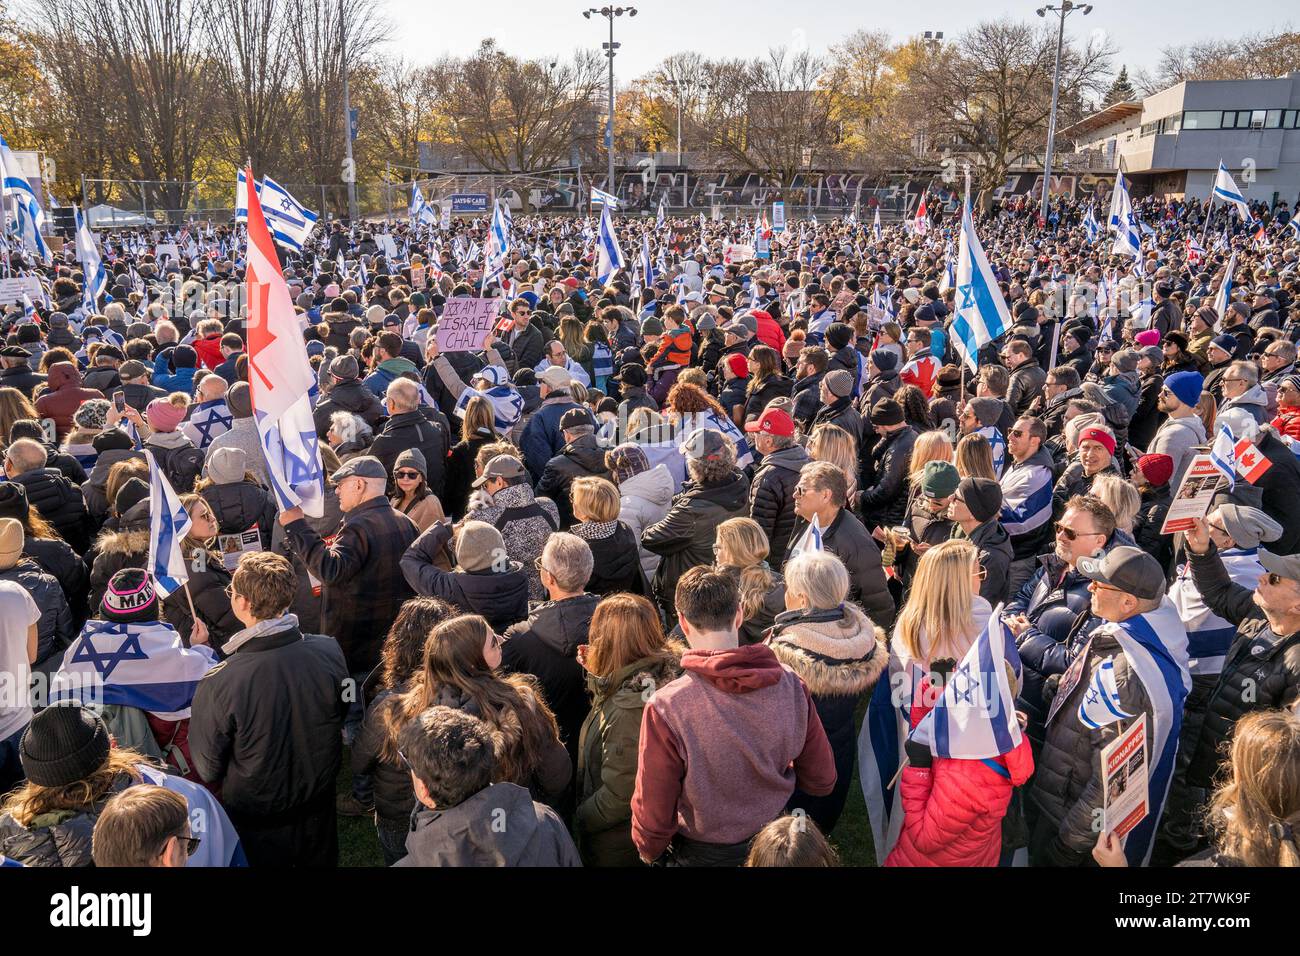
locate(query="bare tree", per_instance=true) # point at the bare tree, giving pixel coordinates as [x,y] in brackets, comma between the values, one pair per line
[1252,57]
[250,61]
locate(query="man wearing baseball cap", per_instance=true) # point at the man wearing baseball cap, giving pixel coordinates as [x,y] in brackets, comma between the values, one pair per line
[1261,667]
[771,495]
[1133,665]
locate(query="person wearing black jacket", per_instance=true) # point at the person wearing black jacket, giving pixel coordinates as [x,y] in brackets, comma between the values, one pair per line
[347,394]
[1151,478]
[525,338]
[771,494]
[822,492]
[1146,419]
[546,644]
[883,502]
[837,408]
[16,372]
[276,685]
[480,583]
[55,498]
[409,426]
[809,371]
[582,456]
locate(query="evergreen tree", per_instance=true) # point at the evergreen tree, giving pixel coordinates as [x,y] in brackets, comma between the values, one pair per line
[1121,90]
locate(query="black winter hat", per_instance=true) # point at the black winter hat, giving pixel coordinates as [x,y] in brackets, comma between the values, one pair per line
[63,744]
[132,492]
[112,440]
[838,335]
[981,496]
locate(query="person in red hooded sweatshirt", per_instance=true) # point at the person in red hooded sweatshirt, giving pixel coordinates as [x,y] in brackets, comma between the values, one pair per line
[207,343]
[952,808]
[769,329]
[724,746]
[63,396]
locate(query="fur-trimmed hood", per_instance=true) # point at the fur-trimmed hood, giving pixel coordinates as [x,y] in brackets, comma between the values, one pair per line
[627,686]
[841,657]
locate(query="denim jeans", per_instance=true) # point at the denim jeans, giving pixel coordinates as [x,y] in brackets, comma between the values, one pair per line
[11,768]
[392,840]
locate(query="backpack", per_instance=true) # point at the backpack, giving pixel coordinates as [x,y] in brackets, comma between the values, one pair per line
[181,466]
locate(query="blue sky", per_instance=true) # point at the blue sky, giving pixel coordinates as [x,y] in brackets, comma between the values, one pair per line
[424,31]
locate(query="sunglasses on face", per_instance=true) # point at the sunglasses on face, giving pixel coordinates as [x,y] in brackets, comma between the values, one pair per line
[1071,534]
[406,473]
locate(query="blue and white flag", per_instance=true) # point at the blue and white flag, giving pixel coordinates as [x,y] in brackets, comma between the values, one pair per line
[719,423]
[648,275]
[290,221]
[810,540]
[981,311]
[220,845]
[1091,227]
[208,421]
[998,445]
[1223,455]
[661,218]
[1225,189]
[608,200]
[876,231]
[92,266]
[144,665]
[609,255]
[30,218]
[498,247]
[1224,296]
[1128,232]
[420,211]
[975,717]
[507,405]
[169,523]
[241,197]
[1101,702]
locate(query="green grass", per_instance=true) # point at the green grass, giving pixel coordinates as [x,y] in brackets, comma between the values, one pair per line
[359,846]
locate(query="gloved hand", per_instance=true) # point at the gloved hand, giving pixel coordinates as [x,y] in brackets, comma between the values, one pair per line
[918,754]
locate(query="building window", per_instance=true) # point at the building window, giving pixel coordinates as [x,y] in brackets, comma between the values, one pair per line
[1204,119]
[1273,119]
[1288,119]
[1257,119]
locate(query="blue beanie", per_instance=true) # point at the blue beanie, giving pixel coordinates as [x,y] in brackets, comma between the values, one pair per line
[1186,387]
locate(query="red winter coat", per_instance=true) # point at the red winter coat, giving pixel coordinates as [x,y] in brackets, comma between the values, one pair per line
[953,809]
[209,350]
[63,396]
[1288,421]
[769,330]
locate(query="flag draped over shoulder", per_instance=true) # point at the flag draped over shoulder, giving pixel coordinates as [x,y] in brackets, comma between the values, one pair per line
[280,377]
[144,665]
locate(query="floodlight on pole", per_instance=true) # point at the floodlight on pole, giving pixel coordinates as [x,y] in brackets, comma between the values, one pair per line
[610,13]
[1064,10]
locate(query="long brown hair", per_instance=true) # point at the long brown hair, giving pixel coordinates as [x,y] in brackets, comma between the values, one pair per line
[1256,811]
[624,629]
[31,800]
[523,726]
[14,405]
[404,647]
[769,366]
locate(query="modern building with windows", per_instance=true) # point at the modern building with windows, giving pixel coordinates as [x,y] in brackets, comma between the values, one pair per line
[1171,143]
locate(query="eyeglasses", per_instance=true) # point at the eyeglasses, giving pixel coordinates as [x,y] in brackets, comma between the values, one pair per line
[979,571]
[230,592]
[407,473]
[1274,579]
[1071,534]
[1016,432]
[537,563]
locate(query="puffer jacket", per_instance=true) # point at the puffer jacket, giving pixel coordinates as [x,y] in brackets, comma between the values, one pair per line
[394,793]
[350,396]
[1279,484]
[103,379]
[1074,482]
[55,629]
[58,839]
[1123,388]
[685,535]
[525,522]
[57,559]
[581,458]
[93,488]
[501,596]
[771,498]
[415,430]
[542,439]
[59,502]
[774,386]
[953,809]
[239,505]
[207,589]
[1152,511]
[1261,670]
[616,564]
[607,758]
[884,491]
[839,655]
[644,500]
[63,396]
[1067,785]
[546,646]
[1147,416]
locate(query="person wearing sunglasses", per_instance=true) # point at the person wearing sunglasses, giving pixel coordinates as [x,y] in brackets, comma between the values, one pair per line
[1241,389]
[1287,421]
[1044,615]
[1132,663]
[411,495]
[525,338]
[1278,360]
[1182,431]
[145,825]
[975,508]
[1261,666]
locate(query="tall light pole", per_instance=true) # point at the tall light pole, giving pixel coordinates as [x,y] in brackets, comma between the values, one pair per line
[609,13]
[677,91]
[1063,11]
[350,166]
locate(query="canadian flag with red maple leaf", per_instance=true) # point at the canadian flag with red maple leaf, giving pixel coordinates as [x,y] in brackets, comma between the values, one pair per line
[280,378]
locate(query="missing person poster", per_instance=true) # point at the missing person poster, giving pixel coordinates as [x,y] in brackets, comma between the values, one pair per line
[1192,499]
[1124,769]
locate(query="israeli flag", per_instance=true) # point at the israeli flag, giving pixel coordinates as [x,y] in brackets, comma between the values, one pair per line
[498,247]
[609,255]
[608,200]
[1224,295]
[981,312]
[719,423]
[661,219]
[998,444]
[1223,455]
[220,844]
[810,540]
[169,524]
[144,665]
[1128,233]
[208,421]
[949,270]
[92,266]
[241,197]
[876,231]
[29,218]
[507,405]
[1101,704]
[1225,188]
[420,211]
[648,274]
[975,717]
[1091,227]
[290,222]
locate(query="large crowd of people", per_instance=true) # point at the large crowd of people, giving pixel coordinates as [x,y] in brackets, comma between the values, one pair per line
[617,588]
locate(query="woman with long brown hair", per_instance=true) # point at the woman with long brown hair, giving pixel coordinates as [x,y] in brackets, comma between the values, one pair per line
[14,405]
[626,658]
[374,752]
[460,671]
[765,380]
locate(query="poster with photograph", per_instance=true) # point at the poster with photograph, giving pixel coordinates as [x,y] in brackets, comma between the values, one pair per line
[1192,499]
[1125,770]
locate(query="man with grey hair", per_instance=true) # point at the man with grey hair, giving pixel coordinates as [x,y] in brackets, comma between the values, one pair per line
[411,426]
[582,456]
[1241,389]
[54,497]
[362,585]
[16,370]
[546,645]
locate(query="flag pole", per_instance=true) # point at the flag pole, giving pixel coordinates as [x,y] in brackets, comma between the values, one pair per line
[185,585]
[1205,226]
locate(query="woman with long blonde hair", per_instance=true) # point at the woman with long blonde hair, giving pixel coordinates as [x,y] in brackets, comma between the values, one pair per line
[461,659]
[742,548]
[974,457]
[930,446]
[954,806]
[834,444]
